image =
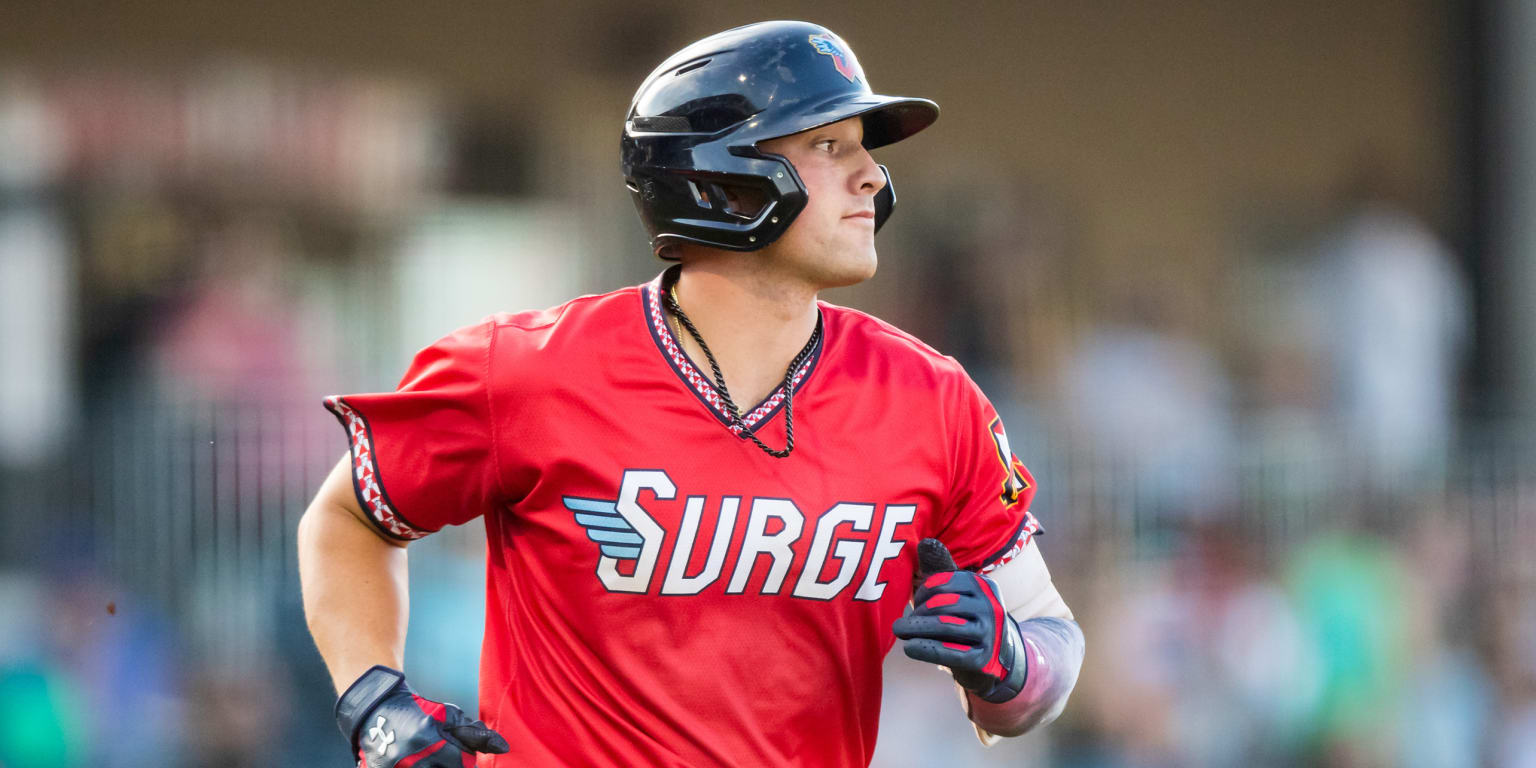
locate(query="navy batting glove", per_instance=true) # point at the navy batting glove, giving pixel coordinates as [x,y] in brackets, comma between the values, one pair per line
[388,725]
[958,621]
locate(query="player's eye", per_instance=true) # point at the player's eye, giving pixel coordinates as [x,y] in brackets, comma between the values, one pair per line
[827,145]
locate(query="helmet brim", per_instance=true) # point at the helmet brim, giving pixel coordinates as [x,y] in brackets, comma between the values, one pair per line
[887,119]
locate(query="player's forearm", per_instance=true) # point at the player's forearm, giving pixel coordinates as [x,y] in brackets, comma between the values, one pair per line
[1055,648]
[355,598]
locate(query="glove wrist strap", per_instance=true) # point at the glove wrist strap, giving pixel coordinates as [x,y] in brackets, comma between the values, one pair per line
[1018,667]
[362,696]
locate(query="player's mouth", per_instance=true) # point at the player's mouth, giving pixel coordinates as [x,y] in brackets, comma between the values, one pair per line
[870,215]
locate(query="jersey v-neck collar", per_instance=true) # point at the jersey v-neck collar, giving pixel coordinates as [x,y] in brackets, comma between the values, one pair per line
[699,383]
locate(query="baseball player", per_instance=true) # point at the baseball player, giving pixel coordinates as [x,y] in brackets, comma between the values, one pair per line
[710,499]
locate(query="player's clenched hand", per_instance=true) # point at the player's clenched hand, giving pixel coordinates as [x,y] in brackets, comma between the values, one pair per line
[389,726]
[958,621]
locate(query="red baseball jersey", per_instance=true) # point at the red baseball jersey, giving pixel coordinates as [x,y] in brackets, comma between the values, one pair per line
[660,591]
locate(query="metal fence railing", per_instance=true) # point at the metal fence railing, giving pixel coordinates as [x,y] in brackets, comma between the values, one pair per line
[175,496]
[192,506]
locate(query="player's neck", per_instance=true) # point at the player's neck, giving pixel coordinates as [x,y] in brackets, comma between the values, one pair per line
[754,322]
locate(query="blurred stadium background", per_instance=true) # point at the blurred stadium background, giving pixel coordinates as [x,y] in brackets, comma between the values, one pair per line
[1251,283]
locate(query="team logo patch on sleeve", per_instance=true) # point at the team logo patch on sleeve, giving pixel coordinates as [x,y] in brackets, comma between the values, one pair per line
[842,59]
[1015,481]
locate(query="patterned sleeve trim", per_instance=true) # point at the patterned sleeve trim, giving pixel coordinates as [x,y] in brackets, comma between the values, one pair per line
[365,475]
[1028,528]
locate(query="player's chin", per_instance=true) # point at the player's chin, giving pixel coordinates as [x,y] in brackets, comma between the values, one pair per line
[853,264]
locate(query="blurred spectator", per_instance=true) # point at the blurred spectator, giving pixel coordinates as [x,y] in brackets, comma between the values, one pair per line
[34,145]
[1393,312]
[1154,404]
[1444,712]
[1448,701]
[1512,643]
[239,710]
[990,271]
[1352,592]
[87,676]
[234,340]
[40,706]
[37,297]
[1516,743]
[37,325]
[1203,661]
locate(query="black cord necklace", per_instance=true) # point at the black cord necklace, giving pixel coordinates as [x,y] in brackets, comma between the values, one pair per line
[725,396]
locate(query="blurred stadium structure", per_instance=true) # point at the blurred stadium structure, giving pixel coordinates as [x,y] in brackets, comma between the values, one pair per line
[1250,283]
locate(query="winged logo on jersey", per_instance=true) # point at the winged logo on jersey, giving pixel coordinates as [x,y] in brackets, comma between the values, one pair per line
[614,535]
[1015,482]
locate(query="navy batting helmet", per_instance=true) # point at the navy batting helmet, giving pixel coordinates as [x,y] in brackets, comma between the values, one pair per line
[694,125]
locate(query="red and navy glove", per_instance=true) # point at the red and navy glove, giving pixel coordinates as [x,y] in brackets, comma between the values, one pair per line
[958,621]
[388,725]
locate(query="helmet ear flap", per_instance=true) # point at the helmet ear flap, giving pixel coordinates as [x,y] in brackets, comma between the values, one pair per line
[885,200]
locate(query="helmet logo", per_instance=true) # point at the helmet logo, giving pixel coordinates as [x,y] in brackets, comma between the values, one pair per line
[846,65]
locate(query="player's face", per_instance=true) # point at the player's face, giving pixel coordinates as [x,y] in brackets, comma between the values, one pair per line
[832,242]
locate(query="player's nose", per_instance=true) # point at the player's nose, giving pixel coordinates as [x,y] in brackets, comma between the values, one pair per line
[867,178]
